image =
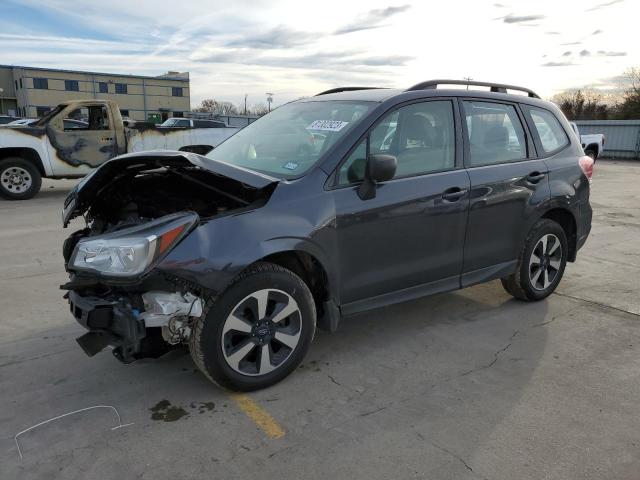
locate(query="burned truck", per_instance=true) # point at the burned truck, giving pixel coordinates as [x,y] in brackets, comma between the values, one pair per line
[76,137]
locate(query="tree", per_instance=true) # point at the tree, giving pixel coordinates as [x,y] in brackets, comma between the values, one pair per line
[217,107]
[629,107]
[582,105]
[258,109]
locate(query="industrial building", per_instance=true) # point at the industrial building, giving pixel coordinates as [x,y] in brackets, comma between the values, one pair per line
[31,92]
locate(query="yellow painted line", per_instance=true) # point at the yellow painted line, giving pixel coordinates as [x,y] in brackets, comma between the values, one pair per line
[259,415]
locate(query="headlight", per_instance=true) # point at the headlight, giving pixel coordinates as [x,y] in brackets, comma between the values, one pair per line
[129,252]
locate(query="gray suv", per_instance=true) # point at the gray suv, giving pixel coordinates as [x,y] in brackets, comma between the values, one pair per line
[331,205]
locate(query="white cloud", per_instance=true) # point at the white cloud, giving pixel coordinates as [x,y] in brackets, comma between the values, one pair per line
[297,48]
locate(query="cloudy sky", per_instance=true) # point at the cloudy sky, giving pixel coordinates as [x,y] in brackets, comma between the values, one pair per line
[298,48]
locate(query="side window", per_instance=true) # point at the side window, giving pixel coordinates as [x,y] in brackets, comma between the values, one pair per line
[421,136]
[87,118]
[494,132]
[552,135]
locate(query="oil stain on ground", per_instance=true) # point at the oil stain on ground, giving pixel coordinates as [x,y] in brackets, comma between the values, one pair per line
[166,412]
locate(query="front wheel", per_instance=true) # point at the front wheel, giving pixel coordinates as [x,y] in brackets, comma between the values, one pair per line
[541,263]
[257,332]
[19,179]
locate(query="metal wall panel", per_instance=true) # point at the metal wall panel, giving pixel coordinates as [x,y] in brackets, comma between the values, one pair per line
[622,137]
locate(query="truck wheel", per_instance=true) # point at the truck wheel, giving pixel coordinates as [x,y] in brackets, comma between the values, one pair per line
[257,332]
[592,154]
[541,263]
[19,179]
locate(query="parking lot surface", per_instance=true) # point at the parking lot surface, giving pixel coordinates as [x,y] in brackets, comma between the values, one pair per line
[471,384]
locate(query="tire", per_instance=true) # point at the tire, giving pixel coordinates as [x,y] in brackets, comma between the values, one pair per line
[19,179]
[592,154]
[234,358]
[535,280]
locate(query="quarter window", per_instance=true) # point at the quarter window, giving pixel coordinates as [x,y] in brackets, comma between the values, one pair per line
[421,136]
[494,132]
[552,135]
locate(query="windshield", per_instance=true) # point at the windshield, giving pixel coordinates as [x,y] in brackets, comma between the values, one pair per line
[289,141]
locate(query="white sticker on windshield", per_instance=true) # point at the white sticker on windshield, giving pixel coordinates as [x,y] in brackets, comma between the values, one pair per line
[327,125]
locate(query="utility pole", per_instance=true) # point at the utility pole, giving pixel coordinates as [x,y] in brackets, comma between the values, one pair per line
[270,99]
[245,103]
[1,101]
[468,79]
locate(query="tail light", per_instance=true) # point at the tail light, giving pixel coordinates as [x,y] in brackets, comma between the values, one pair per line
[586,164]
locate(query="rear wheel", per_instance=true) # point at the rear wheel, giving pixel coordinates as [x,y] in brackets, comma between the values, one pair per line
[257,332]
[541,263]
[19,179]
[592,154]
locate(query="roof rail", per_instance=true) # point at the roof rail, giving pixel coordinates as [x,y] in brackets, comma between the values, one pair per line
[344,89]
[494,87]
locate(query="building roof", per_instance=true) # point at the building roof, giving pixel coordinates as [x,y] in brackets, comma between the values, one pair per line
[177,76]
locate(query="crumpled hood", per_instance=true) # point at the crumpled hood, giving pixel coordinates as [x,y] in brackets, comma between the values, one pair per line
[90,187]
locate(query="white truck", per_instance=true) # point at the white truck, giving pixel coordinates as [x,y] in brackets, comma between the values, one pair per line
[78,136]
[592,144]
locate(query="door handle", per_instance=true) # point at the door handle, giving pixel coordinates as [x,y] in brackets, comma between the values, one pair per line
[454,194]
[106,139]
[535,177]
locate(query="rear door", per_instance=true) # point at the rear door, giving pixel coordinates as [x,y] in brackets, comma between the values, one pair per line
[410,236]
[507,183]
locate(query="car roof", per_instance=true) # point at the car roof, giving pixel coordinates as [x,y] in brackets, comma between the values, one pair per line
[382,94]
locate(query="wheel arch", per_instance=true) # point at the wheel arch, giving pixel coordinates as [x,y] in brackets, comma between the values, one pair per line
[593,146]
[28,154]
[567,220]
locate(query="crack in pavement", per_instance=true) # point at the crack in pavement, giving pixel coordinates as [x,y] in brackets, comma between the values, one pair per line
[496,355]
[457,457]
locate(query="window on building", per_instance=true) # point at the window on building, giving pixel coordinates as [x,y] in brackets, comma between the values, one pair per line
[42,111]
[495,133]
[71,86]
[178,114]
[176,91]
[21,82]
[124,112]
[103,87]
[41,83]
[16,82]
[121,88]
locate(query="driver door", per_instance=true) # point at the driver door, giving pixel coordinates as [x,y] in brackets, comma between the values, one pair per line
[407,241]
[83,135]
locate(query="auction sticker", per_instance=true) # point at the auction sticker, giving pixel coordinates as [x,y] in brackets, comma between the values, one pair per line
[327,125]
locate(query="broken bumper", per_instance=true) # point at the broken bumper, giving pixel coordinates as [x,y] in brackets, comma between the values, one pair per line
[111,322]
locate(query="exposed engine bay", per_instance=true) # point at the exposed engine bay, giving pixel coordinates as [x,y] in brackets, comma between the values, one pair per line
[138,213]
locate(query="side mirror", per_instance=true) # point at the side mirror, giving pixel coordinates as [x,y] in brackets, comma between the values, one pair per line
[379,168]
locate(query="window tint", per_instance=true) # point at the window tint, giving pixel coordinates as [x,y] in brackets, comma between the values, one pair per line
[421,136]
[71,85]
[552,135]
[41,83]
[495,133]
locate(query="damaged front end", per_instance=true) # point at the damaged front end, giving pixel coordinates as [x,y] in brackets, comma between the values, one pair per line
[137,208]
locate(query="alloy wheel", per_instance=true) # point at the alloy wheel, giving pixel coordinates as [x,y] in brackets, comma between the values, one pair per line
[545,261]
[261,332]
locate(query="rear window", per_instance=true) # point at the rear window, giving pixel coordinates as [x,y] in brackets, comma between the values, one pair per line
[550,133]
